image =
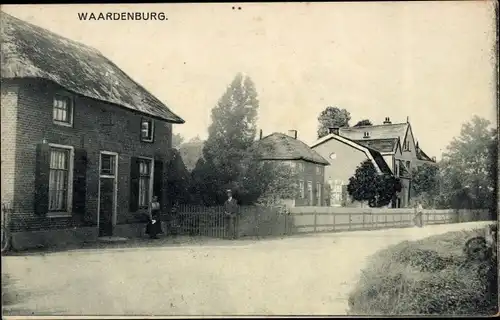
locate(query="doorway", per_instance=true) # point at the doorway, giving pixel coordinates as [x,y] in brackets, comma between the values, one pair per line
[108,172]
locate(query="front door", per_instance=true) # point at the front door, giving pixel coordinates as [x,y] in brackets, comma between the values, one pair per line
[107,194]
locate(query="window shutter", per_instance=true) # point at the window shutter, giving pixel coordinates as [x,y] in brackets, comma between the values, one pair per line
[80,181]
[134,184]
[42,172]
[158,181]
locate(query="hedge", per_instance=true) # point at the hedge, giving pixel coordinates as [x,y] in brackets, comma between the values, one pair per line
[431,276]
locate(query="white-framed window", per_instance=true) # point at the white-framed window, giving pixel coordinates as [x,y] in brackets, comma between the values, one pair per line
[301,187]
[108,164]
[318,193]
[62,109]
[60,179]
[310,191]
[145,182]
[147,130]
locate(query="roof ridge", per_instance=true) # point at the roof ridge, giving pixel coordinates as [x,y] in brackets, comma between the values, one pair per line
[375,125]
[50,33]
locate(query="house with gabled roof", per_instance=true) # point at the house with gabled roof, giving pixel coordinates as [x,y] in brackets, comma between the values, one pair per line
[378,136]
[345,155]
[394,143]
[84,146]
[307,163]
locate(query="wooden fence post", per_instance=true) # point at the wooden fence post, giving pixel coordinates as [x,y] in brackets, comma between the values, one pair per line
[349,221]
[315,220]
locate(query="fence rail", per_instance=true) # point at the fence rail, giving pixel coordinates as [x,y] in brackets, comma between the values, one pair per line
[265,221]
[278,221]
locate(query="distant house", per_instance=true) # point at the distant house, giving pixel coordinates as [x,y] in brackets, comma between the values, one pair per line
[392,144]
[84,147]
[378,136]
[308,164]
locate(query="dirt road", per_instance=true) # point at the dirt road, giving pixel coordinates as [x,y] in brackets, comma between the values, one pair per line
[310,274]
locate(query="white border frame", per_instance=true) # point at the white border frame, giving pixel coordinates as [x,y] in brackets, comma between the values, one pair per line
[115,188]
[69,207]
[72,115]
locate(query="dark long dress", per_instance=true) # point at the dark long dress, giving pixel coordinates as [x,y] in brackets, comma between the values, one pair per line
[153,229]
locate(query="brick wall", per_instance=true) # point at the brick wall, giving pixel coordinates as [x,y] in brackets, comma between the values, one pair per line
[309,174]
[92,132]
[9,121]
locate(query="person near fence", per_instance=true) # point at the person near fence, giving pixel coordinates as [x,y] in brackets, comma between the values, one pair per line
[418,219]
[153,228]
[231,214]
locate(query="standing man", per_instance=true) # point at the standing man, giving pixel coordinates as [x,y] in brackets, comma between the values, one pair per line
[231,212]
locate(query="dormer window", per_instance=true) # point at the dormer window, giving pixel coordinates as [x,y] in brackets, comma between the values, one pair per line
[366,134]
[62,110]
[147,130]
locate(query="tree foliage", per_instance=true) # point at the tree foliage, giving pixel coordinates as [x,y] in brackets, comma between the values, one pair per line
[332,117]
[230,158]
[178,181]
[469,174]
[364,122]
[425,183]
[282,183]
[368,185]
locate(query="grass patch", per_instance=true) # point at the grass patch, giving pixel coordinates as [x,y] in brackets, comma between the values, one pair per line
[431,276]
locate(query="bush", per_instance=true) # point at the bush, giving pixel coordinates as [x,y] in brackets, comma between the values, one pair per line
[429,276]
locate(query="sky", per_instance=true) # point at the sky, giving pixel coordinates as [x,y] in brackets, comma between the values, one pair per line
[430,61]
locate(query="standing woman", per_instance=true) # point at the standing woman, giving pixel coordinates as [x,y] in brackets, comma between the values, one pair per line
[154,226]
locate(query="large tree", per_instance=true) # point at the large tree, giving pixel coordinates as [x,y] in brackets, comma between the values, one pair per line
[332,117]
[369,185]
[362,123]
[468,166]
[425,183]
[227,155]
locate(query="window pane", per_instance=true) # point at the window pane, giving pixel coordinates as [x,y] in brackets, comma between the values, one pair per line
[107,164]
[58,180]
[62,108]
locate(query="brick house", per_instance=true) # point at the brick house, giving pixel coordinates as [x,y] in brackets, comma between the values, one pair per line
[307,163]
[84,147]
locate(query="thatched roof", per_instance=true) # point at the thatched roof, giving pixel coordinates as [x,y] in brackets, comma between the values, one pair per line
[279,146]
[29,51]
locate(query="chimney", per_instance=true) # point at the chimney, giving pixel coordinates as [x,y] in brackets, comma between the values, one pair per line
[434,159]
[417,146]
[292,133]
[407,119]
[260,134]
[387,120]
[334,130]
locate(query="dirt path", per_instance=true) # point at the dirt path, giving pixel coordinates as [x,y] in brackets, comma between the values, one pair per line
[296,275]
